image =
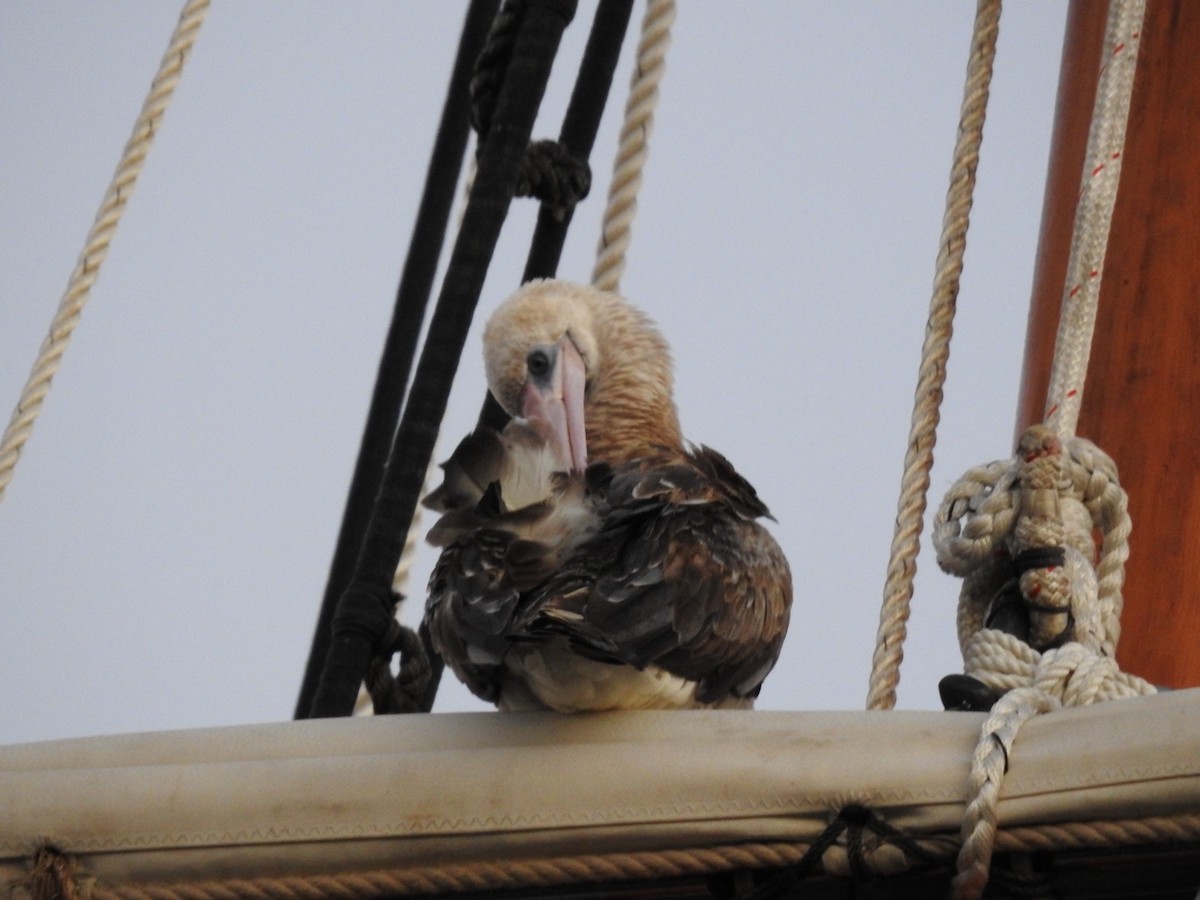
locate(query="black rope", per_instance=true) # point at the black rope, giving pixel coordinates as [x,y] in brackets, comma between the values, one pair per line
[551,174]
[580,125]
[855,822]
[1039,558]
[404,691]
[548,171]
[395,364]
[579,128]
[492,65]
[516,108]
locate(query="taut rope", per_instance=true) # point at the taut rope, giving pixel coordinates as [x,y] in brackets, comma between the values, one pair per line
[633,149]
[1093,216]
[918,459]
[95,248]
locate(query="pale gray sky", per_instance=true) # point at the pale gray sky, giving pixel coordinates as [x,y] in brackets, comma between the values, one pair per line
[165,541]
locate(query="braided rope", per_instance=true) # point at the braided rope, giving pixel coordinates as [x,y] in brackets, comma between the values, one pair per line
[918,459]
[991,757]
[99,238]
[1103,834]
[1020,531]
[1093,215]
[993,514]
[473,876]
[632,150]
[626,866]
[1061,496]
[1023,529]
[1071,675]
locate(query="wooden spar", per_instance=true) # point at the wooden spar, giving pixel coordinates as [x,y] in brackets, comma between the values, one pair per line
[1141,401]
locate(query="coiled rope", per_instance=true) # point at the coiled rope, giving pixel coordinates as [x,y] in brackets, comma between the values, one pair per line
[918,459]
[95,247]
[1039,616]
[633,147]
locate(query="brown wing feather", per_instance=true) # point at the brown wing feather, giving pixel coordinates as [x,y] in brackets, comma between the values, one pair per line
[492,556]
[680,576]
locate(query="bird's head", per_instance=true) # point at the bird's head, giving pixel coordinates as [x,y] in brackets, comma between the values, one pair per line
[586,369]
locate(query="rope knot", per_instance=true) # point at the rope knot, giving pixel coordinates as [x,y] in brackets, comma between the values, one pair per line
[859,843]
[550,174]
[404,691]
[1020,534]
[52,876]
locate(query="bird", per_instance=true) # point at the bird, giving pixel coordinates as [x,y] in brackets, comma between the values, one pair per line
[591,559]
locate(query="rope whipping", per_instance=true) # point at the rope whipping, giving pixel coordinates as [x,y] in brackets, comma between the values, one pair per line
[399,349]
[918,458]
[99,238]
[366,606]
[633,146]
[1039,612]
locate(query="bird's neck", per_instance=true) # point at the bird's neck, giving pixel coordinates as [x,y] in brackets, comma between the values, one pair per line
[628,422]
[630,411]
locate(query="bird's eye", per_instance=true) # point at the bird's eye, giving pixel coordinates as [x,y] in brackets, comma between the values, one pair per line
[538,362]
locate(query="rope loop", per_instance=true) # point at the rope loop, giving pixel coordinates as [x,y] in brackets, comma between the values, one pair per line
[365,611]
[402,692]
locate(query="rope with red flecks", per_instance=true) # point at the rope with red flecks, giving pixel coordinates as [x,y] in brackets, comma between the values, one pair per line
[1093,216]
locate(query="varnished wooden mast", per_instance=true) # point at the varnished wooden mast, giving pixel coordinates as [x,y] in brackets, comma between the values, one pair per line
[1141,401]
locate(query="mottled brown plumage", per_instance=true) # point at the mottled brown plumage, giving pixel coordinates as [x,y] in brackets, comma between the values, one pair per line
[591,560]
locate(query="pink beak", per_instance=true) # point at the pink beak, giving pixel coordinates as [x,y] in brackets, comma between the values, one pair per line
[558,407]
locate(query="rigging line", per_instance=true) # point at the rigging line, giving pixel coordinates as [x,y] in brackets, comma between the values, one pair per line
[399,349]
[99,238]
[581,122]
[918,458]
[580,125]
[1093,216]
[364,609]
[1091,671]
[633,147]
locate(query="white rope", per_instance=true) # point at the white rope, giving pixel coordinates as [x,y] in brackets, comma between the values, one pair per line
[1020,532]
[918,459]
[632,150]
[1093,215]
[99,238]
[1071,675]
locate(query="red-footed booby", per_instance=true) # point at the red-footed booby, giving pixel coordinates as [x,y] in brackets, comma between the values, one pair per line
[591,559]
